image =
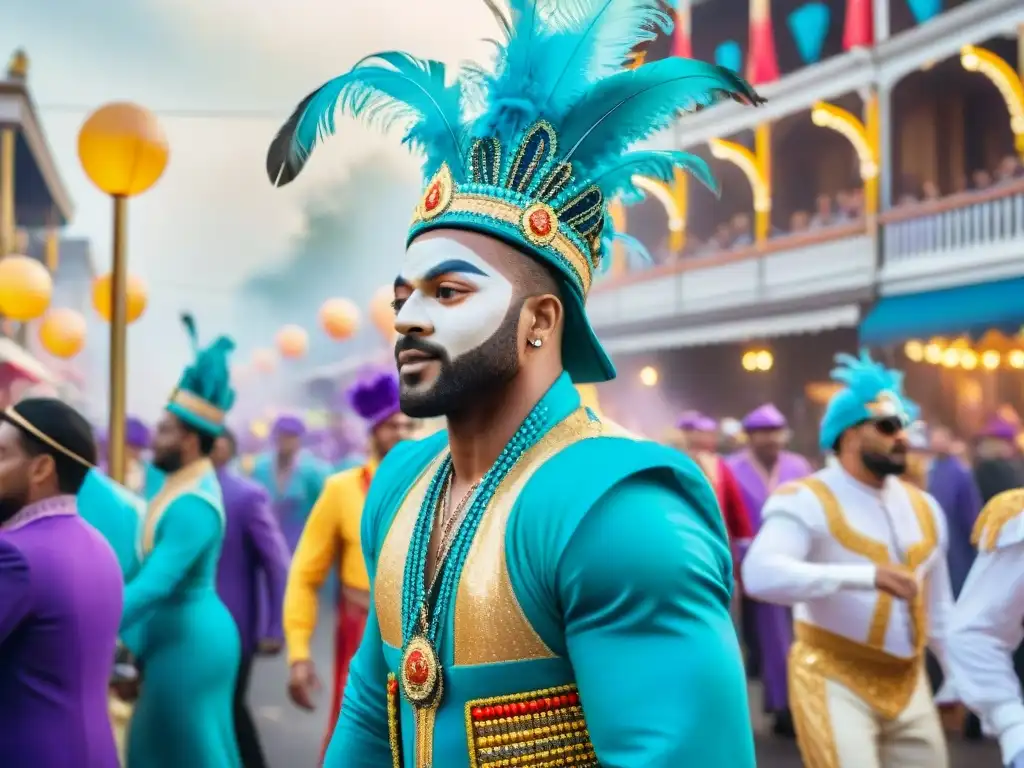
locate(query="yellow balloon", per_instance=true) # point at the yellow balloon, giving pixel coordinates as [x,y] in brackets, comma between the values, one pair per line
[123,149]
[339,318]
[136,297]
[382,314]
[25,288]
[62,332]
[292,341]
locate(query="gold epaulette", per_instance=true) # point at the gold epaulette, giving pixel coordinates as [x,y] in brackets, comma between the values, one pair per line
[999,511]
[789,489]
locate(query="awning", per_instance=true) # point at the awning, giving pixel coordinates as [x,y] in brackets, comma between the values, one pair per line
[965,310]
[814,321]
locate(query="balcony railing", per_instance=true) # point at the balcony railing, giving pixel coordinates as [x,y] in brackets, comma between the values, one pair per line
[970,230]
[839,258]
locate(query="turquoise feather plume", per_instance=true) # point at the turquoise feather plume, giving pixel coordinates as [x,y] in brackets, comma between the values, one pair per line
[634,105]
[633,247]
[866,379]
[209,376]
[615,177]
[387,90]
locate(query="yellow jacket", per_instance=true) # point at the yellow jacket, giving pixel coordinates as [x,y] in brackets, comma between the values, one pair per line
[331,535]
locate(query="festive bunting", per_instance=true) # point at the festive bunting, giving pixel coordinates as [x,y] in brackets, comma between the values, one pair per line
[681,45]
[924,9]
[809,24]
[729,55]
[859,27]
[763,66]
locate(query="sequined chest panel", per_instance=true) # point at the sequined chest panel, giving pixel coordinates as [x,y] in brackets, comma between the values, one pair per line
[542,727]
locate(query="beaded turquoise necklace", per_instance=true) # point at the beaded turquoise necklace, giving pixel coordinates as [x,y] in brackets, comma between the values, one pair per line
[422,612]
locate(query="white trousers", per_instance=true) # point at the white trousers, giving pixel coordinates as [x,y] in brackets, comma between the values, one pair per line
[840,730]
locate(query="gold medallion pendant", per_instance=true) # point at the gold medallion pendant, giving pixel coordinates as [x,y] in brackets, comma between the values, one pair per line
[421,673]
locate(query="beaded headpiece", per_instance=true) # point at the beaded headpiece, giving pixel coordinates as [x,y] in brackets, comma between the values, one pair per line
[870,391]
[204,395]
[531,150]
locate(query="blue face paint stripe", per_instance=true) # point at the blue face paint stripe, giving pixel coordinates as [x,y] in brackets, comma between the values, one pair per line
[453,266]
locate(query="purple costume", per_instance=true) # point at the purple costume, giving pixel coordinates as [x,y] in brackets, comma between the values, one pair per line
[774,622]
[254,555]
[61,594]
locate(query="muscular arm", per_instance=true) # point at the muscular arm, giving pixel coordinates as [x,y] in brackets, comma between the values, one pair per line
[776,569]
[985,630]
[645,635]
[15,589]
[317,549]
[188,527]
[268,542]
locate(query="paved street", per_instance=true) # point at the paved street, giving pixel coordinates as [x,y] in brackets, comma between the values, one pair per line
[292,738]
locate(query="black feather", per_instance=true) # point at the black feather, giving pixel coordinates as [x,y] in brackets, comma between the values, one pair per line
[283,165]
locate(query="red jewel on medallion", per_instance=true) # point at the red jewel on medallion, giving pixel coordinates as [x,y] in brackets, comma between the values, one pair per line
[540,222]
[430,202]
[417,671]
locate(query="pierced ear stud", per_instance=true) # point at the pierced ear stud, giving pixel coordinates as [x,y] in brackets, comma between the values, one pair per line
[536,343]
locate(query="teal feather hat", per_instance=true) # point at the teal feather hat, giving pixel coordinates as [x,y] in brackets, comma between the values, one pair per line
[870,391]
[204,395]
[532,150]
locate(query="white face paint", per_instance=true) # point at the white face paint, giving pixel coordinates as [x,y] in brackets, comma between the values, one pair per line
[461,327]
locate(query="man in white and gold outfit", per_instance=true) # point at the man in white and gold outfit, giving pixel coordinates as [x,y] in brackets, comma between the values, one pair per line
[859,554]
[988,625]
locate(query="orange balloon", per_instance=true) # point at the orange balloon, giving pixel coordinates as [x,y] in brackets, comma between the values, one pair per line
[25,288]
[382,314]
[62,332]
[339,318]
[123,149]
[292,342]
[136,295]
[264,360]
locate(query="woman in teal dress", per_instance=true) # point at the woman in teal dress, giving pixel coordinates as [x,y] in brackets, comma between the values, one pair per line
[174,623]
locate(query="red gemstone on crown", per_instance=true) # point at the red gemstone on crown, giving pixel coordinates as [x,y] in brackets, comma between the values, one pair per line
[417,670]
[540,222]
[433,198]
[392,686]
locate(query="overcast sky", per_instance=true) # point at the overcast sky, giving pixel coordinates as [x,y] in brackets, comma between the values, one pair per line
[214,220]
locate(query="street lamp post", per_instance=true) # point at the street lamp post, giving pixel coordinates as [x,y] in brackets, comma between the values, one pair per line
[124,152]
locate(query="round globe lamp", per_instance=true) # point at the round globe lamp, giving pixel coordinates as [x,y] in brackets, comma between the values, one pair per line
[339,318]
[123,150]
[62,333]
[292,342]
[136,297]
[382,312]
[25,288]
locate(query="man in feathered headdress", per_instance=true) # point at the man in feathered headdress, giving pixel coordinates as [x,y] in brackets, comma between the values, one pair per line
[491,637]
[331,537]
[860,555]
[174,622]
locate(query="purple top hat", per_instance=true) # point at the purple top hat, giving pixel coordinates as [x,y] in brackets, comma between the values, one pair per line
[999,428]
[288,426]
[136,433]
[689,420]
[374,397]
[765,417]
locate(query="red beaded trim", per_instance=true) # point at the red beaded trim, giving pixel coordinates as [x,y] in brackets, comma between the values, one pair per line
[537,729]
[394,720]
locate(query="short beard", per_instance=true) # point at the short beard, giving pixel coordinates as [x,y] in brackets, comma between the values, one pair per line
[168,461]
[487,368]
[882,465]
[11,505]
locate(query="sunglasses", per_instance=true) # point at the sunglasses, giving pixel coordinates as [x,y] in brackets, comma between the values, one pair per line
[889,426]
